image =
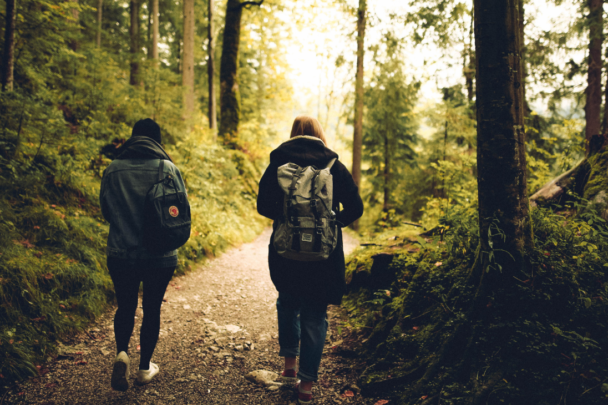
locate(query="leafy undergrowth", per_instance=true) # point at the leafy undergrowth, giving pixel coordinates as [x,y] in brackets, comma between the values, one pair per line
[53,275]
[543,342]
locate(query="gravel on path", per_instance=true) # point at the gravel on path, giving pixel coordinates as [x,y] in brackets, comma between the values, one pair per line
[219,323]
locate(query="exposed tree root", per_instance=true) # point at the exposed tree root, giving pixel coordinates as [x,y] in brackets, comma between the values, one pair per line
[485,389]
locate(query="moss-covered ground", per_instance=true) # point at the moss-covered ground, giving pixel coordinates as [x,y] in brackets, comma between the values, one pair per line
[53,275]
[543,340]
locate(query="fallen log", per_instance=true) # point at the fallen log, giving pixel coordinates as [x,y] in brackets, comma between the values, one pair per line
[588,179]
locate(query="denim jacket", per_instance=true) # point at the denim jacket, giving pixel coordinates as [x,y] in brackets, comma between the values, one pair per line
[124,186]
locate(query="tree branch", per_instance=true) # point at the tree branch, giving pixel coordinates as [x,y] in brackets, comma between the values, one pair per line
[252,3]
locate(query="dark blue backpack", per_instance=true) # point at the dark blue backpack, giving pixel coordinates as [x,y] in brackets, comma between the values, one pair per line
[167,219]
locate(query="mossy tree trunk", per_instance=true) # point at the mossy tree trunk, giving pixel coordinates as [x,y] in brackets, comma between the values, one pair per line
[358,124]
[504,224]
[501,158]
[594,74]
[9,46]
[230,107]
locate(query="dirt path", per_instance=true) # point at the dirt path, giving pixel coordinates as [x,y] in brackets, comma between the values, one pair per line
[218,324]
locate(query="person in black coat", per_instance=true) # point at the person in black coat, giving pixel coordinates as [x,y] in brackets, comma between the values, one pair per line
[307,288]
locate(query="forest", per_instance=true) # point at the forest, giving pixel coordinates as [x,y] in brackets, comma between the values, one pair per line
[476,131]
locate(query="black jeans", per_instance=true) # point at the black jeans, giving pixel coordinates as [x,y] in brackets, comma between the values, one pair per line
[126,276]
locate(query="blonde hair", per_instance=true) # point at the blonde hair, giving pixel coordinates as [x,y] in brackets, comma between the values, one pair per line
[305,125]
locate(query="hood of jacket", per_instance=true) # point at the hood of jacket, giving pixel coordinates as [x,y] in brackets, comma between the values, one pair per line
[304,151]
[142,147]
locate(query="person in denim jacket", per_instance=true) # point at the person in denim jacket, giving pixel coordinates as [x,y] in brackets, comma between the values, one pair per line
[124,186]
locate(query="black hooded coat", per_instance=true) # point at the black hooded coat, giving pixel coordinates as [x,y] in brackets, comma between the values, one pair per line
[321,281]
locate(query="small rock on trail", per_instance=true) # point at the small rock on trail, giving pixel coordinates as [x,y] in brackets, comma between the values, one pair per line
[218,324]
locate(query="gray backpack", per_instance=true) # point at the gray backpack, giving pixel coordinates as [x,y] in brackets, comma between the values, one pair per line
[307,229]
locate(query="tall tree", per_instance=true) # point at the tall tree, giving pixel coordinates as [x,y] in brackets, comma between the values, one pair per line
[594,74]
[188,60]
[99,20]
[9,46]
[211,69]
[229,87]
[358,132]
[135,47]
[501,157]
[154,39]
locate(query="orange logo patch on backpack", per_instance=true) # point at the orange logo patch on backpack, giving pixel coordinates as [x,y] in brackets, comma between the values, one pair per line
[173,211]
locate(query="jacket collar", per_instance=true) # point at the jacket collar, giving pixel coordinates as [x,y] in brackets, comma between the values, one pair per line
[304,137]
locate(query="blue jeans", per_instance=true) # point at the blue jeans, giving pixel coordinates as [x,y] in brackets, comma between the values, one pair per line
[302,331]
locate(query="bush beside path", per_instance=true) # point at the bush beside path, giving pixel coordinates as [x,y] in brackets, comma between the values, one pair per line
[218,324]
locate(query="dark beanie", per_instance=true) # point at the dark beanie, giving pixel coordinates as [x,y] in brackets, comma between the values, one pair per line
[147,128]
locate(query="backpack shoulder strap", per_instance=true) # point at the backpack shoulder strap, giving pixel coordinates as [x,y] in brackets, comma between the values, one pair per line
[331,163]
[161,170]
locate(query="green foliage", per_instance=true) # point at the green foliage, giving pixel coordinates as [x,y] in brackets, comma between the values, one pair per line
[53,277]
[390,125]
[222,187]
[545,332]
[72,100]
[598,179]
[554,147]
[440,175]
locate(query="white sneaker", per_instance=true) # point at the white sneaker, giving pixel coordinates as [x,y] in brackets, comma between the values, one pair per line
[145,376]
[120,372]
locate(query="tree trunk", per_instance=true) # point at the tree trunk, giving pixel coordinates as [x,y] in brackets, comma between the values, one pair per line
[155,30]
[230,108]
[386,173]
[605,119]
[9,46]
[149,31]
[594,76]
[524,66]
[73,42]
[469,64]
[211,70]
[134,36]
[75,12]
[504,224]
[358,124]
[178,54]
[188,61]
[501,158]
[229,87]
[99,20]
